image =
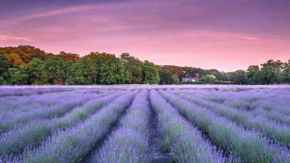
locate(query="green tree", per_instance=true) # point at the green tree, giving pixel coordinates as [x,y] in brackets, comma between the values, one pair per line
[94,70]
[150,73]
[214,72]
[240,77]
[168,78]
[134,68]
[36,72]
[189,72]
[271,72]
[2,81]
[277,68]
[114,72]
[208,79]
[286,72]
[4,65]
[16,76]
[56,70]
[78,72]
[252,74]
[95,60]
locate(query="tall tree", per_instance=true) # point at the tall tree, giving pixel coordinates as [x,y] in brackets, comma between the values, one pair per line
[94,70]
[208,78]
[2,81]
[240,77]
[214,72]
[114,72]
[79,72]
[286,72]
[16,76]
[56,70]
[150,73]
[4,65]
[168,78]
[271,72]
[134,67]
[191,72]
[15,59]
[36,72]
[95,61]
[252,74]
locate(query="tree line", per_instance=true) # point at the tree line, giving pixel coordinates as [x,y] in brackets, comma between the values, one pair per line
[27,65]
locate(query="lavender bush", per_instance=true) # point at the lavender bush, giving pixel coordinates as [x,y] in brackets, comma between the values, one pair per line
[130,142]
[276,131]
[44,112]
[72,144]
[32,134]
[247,145]
[183,140]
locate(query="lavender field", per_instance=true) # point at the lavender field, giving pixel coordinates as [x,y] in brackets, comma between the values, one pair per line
[144,124]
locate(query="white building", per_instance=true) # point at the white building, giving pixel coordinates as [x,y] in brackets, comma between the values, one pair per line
[190,79]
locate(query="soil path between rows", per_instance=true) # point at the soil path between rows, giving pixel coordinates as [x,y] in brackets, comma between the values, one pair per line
[158,155]
[89,157]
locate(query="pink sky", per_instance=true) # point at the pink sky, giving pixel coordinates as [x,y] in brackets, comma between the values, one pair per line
[225,35]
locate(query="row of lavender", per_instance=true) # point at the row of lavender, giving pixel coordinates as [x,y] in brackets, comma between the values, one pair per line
[183,125]
[17,111]
[195,125]
[246,145]
[271,123]
[180,138]
[69,138]
[25,91]
[31,126]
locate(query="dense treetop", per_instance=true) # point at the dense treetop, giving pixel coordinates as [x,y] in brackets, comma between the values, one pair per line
[24,65]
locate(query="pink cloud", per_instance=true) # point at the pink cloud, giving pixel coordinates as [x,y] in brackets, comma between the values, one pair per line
[14,38]
[45,14]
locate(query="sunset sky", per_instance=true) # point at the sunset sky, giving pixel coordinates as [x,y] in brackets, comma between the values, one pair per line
[222,34]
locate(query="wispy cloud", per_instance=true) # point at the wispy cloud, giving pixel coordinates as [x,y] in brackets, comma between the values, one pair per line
[14,38]
[213,36]
[250,38]
[47,14]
